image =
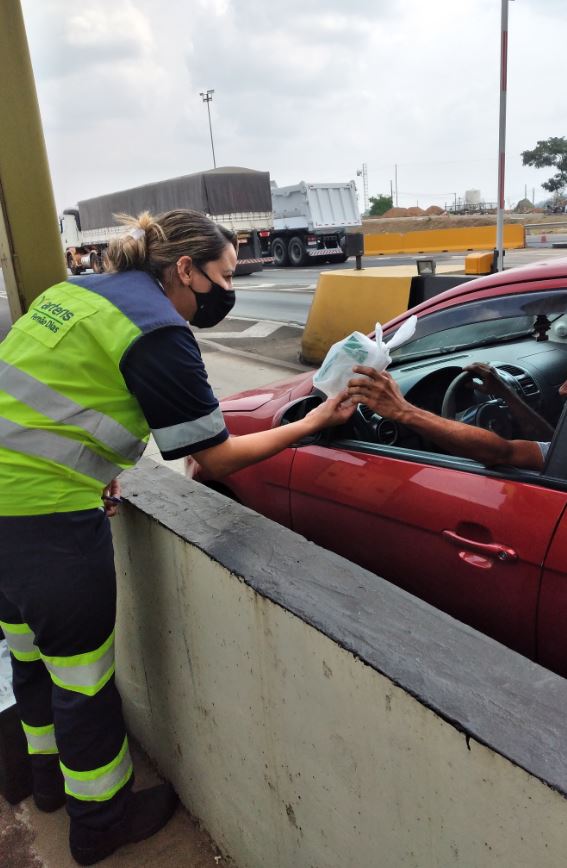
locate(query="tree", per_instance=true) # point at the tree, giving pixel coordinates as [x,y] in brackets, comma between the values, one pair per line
[550,152]
[379,205]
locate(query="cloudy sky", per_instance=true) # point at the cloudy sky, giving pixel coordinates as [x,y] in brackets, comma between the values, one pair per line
[309,91]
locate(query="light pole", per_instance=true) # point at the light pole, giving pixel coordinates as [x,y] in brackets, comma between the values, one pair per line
[502,135]
[207,96]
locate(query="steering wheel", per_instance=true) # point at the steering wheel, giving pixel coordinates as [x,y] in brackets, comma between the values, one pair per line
[492,414]
[449,406]
[365,423]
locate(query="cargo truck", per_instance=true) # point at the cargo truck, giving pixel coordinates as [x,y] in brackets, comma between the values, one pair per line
[238,198]
[310,222]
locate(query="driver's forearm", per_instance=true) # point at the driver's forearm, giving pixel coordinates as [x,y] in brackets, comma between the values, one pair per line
[456,437]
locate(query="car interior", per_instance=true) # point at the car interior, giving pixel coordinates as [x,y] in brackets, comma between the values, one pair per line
[523,336]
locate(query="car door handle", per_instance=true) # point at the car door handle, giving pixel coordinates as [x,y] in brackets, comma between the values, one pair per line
[491,550]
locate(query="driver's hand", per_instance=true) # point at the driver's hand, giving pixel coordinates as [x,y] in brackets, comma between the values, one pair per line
[490,382]
[379,391]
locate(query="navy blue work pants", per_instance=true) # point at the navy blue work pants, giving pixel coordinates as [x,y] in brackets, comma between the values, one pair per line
[57,575]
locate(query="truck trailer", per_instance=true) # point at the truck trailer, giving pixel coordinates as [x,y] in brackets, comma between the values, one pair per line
[238,198]
[310,222]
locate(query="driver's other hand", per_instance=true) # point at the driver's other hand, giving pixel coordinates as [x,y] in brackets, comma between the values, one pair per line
[377,390]
[490,382]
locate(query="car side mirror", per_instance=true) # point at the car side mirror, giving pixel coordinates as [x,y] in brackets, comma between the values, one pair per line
[297,410]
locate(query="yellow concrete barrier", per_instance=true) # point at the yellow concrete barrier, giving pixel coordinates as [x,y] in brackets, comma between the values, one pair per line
[479,263]
[441,240]
[348,300]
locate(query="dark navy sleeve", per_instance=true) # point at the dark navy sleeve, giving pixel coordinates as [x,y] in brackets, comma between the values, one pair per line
[165,371]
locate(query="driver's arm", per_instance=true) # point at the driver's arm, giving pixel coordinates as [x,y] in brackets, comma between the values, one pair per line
[532,425]
[381,393]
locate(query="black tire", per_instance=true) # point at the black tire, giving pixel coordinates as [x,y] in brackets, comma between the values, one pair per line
[74,269]
[96,263]
[296,251]
[279,252]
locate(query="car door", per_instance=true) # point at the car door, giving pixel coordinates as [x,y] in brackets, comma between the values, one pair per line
[468,540]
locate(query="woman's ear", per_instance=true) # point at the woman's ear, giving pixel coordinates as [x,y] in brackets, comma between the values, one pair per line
[185,270]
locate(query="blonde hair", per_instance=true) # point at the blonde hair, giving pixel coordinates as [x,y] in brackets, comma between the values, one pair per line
[154,244]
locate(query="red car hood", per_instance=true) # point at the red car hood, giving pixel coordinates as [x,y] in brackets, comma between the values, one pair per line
[245,402]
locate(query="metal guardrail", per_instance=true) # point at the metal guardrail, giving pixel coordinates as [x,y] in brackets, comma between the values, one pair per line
[545,226]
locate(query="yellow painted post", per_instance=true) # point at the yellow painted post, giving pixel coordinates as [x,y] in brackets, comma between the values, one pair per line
[31,254]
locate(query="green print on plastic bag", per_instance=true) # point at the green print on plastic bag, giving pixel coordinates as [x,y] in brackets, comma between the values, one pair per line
[353,348]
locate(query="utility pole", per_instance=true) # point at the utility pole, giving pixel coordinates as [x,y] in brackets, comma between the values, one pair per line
[502,135]
[364,173]
[396,177]
[207,96]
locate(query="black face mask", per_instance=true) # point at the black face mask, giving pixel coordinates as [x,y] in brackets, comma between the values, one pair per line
[212,306]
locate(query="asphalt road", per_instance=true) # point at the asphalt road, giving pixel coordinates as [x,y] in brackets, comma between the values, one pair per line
[284,294]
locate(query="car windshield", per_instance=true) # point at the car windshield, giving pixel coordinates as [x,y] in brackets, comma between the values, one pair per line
[479,323]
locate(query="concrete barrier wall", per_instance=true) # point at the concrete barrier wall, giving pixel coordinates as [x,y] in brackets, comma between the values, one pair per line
[311,714]
[349,300]
[443,240]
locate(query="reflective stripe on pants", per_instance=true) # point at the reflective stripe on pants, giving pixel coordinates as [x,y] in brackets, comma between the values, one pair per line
[100,784]
[84,673]
[41,739]
[21,641]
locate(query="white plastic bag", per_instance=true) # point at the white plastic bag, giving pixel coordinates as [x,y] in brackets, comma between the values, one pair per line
[357,349]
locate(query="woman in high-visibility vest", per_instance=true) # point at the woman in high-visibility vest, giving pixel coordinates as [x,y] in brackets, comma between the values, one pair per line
[96,364]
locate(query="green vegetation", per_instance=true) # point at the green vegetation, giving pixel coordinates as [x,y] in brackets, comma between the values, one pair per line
[379,205]
[550,152]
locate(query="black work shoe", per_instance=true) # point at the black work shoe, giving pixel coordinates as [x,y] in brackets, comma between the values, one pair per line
[48,784]
[147,811]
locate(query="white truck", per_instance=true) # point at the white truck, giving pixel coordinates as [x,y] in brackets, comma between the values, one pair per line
[310,222]
[238,198]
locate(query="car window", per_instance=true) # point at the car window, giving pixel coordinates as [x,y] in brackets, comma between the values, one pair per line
[477,322]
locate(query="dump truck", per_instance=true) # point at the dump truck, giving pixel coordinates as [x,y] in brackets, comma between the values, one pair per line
[238,198]
[311,221]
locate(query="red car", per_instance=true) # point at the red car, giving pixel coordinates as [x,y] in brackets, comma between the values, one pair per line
[488,546]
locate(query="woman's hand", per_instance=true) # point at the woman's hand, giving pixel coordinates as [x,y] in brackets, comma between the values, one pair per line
[111,498]
[379,391]
[333,411]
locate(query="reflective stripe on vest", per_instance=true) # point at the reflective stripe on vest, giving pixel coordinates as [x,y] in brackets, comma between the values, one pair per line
[56,406]
[83,673]
[100,784]
[41,739]
[187,433]
[20,640]
[62,450]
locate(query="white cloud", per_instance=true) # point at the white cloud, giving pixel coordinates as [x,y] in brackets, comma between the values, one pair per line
[305,90]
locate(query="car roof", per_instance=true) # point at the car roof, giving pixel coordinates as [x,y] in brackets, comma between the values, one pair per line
[550,269]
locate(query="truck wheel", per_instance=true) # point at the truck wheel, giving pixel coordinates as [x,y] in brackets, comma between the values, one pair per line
[74,269]
[296,250]
[96,263]
[279,252]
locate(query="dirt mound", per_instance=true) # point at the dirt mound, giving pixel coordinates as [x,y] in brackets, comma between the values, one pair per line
[453,221]
[416,211]
[396,212]
[434,211]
